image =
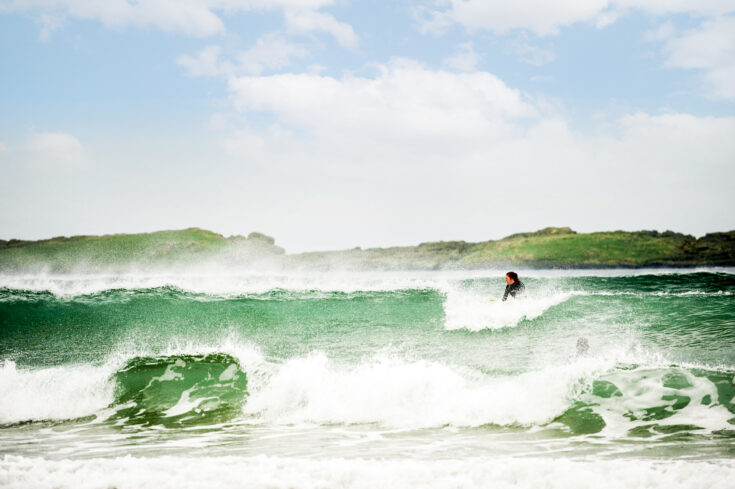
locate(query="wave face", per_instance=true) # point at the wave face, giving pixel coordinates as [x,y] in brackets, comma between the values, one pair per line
[406,367]
[180,390]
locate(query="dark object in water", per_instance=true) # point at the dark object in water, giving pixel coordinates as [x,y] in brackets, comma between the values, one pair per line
[583,345]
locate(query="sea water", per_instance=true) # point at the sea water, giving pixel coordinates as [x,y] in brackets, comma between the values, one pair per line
[368,380]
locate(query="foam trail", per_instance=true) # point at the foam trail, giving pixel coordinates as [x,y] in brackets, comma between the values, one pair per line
[473,309]
[277,472]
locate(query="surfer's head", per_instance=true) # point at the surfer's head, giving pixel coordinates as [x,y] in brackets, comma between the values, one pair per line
[511,277]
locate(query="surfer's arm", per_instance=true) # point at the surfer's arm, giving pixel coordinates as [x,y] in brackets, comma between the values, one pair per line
[507,290]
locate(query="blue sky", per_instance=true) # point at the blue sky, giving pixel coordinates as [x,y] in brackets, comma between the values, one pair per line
[332,124]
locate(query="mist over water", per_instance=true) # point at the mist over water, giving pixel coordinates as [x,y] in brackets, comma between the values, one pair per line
[327,373]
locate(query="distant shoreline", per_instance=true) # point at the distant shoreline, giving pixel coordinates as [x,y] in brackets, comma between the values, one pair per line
[549,248]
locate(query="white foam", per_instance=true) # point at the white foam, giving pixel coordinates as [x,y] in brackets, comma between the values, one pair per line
[73,391]
[228,284]
[185,404]
[411,394]
[385,390]
[474,310]
[222,281]
[719,293]
[643,388]
[64,392]
[277,472]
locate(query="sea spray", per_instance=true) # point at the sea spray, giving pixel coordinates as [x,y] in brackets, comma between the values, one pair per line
[419,370]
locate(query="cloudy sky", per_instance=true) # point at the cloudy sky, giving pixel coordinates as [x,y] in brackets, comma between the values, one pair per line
[339,123]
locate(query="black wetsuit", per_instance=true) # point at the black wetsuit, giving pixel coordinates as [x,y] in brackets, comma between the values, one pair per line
[516,287]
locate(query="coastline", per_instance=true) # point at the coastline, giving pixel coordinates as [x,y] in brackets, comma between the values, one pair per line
[549,248]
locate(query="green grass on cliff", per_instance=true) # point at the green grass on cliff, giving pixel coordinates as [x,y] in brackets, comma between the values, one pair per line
[616,248]
[101,252]
[550,247]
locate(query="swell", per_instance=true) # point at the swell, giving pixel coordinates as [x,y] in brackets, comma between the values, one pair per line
[170,293]
[587,395]
[666,284]
[234,286]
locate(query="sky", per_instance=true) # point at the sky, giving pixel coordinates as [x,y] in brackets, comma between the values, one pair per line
[331,124]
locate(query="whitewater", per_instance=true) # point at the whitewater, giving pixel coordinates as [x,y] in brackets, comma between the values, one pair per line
[216,378]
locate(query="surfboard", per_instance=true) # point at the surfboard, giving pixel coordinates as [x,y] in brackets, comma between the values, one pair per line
[492,298]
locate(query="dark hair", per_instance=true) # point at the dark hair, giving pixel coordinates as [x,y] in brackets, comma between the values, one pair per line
[513,275]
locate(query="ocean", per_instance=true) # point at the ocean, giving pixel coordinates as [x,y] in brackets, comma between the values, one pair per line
[197,379]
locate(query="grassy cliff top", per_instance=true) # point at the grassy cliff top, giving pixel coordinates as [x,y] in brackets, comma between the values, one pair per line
[549,247]
[145,249]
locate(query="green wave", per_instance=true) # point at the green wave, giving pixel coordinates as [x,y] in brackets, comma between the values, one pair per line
[179,390]
[170,292]
[650,398]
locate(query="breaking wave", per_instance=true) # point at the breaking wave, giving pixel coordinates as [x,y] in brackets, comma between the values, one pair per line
[585,395]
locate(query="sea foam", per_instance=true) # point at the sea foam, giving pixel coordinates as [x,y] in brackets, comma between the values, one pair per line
[55,393]
[398,392]
[281,472]
[476,310]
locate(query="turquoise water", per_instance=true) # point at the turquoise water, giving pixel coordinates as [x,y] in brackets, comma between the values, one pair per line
[358,367]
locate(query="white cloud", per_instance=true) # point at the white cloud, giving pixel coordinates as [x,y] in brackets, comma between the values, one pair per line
[665,7]
[466,59]
[270,52]
[529,53]
[191,17]
[205,63]
[303,21]
[3,147]
[49,23]
[56,150]
[543,17]
[661,33]
[709,48]
[546,17]
[469,155]
[405,102]
[406,155]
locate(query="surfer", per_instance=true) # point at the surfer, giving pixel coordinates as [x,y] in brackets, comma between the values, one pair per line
[515,286]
